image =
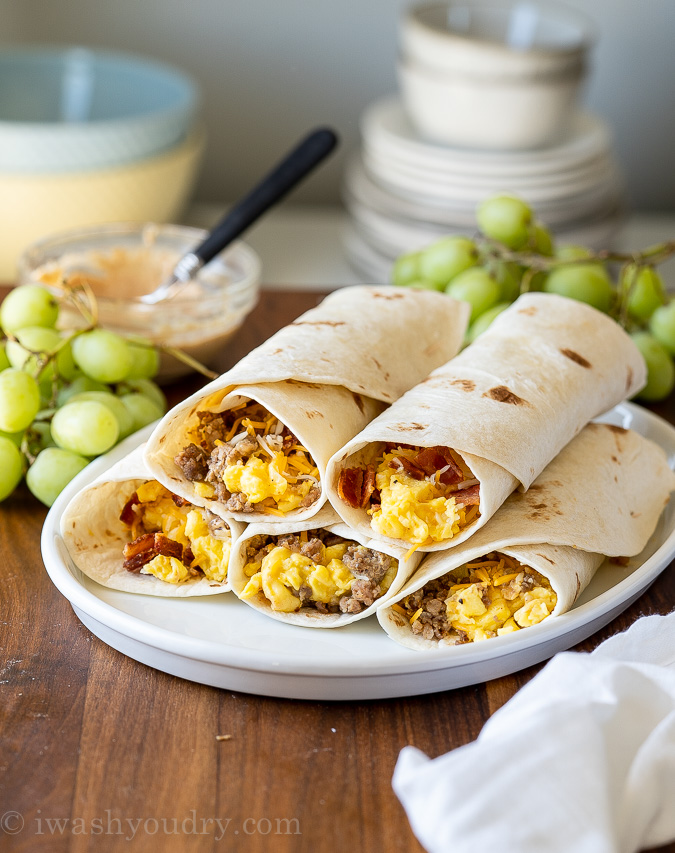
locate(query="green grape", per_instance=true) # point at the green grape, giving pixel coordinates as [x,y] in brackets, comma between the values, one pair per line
[509,276]
[86,427]
[570,252]
[485,320]
[51,472]
[125,422]
[662,326]
[142,409]
[645,291]
[543,240]
[4,361]
[146,387]
[28,305]
[11,467]
[477,287]
[447,258]
[406,269]
[144,359]
[19,399]
[38,339]
[423,285]
[584,282]
[660,368]
[506,219]
[102,355]
[77,386]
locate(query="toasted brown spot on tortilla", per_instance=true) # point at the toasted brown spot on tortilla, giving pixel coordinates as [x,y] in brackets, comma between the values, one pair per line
[548,559]
[529,311]
[108,533]
[377,363]
[576,358]
[314,413]
[387,296]
[614,459]
[463,384]
[359,401]
[430,350]
[629,378]
[386,377]
[274,352]
[404,427]
[615,428]
[319,323]
[162,439]
[502,394]
[634,514]
[302,384]
[538,515]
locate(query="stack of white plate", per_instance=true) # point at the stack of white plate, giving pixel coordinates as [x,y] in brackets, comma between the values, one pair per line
[403,192]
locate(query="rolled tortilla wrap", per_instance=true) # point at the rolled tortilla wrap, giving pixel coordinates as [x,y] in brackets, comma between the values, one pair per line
[323,378]
[95,536]
[347,575]
[602,496]
[496,415]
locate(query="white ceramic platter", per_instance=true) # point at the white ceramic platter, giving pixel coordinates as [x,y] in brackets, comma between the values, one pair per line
[385,127]
[453,213]
[221,641]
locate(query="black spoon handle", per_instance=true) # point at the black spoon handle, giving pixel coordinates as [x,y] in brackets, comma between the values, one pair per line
[273,187]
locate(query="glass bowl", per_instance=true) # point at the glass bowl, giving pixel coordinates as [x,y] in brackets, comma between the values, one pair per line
[121,261]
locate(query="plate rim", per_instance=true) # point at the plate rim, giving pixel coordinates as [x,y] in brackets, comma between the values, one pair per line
[299,665]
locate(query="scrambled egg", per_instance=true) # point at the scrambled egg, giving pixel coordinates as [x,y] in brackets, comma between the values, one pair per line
[415,510]
[185,525]
[275,481]
[260,479]
[480,610]
[281,570]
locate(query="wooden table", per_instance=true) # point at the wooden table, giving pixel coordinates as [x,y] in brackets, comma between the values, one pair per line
[108,747]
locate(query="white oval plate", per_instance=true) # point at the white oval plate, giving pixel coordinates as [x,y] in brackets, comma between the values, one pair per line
[223,642]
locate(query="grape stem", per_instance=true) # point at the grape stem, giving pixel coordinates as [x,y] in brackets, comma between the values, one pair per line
[651,256]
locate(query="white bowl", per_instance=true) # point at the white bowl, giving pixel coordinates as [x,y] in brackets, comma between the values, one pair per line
[74,109]
[503,114]
[489,40]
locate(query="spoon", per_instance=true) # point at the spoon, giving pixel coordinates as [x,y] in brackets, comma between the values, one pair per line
[306,155]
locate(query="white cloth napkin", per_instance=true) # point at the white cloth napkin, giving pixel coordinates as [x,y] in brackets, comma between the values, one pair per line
[581,759]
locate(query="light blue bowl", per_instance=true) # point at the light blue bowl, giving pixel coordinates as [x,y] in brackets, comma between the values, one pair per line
[78,109]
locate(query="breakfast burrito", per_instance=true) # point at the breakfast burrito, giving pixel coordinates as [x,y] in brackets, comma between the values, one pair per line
[255,442]
[434,467]
[317,572]
[128,532]
[602,496]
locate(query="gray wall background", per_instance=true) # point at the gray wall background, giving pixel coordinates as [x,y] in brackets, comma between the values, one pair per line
[270,69]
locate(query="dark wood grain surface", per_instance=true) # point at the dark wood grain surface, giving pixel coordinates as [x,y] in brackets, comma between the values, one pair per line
[98,752]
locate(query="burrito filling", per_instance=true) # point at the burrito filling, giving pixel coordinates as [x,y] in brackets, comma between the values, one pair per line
[488,597]
[418,494]
[247,459]
[172,539]
[316,569]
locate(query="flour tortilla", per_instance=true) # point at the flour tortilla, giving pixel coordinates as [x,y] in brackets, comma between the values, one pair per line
[509,402]
[95,536]
[325,376]
[309,617]
[602,496]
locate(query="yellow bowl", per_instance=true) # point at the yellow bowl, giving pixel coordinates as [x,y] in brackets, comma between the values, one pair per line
[151,190]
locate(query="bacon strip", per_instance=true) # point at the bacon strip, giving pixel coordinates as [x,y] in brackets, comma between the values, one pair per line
[128,516]
[356,485]
[467,497]
[147,547]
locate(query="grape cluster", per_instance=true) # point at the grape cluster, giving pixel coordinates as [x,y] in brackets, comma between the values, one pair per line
[513,253]
[65,397]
